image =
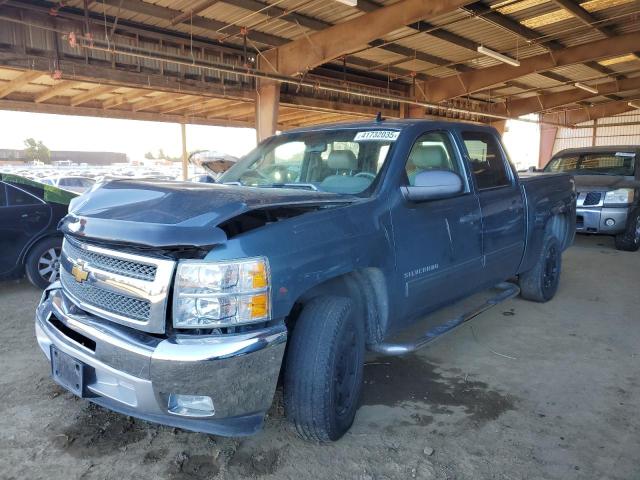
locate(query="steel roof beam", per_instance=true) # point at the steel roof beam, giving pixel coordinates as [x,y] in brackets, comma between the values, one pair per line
[585,17]
[538,103]
[320,47]
[574,117]
[469,82]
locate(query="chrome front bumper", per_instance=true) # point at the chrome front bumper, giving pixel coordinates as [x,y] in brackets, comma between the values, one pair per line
[132,372]
[593,219]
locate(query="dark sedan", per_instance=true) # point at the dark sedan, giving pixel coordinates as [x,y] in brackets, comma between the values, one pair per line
[29,240]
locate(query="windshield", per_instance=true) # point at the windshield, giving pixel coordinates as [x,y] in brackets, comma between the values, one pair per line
[605,163]
[338,161]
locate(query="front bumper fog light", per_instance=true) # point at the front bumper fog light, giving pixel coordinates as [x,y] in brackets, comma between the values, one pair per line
[190,405]
[609,222]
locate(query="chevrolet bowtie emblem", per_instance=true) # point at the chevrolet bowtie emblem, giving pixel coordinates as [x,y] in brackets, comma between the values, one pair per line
[79,273]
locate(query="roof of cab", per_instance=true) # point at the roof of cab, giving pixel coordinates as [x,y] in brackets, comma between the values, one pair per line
[392,125]
[599,149]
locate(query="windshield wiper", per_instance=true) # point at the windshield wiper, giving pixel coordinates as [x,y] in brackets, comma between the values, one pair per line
[302,186]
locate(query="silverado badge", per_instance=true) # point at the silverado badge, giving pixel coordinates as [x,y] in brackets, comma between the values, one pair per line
[79,273]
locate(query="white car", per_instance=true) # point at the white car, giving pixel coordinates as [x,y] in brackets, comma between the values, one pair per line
[72,183]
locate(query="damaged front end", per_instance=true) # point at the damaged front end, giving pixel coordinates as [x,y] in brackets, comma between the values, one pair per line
[156,317]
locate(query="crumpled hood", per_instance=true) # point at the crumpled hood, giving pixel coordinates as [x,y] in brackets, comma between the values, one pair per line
[588,183]
[169,214]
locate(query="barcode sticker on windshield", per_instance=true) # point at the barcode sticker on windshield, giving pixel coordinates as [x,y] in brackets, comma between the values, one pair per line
[376,136]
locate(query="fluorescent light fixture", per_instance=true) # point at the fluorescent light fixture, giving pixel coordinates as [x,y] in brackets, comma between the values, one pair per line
[634,104]
[498,56]
[586,88]
[351,3]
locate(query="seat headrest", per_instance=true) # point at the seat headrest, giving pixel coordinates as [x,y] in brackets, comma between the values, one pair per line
[342,160]
[431,157]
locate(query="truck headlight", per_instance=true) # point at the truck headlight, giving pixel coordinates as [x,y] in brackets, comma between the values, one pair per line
[620,196]
[221,294]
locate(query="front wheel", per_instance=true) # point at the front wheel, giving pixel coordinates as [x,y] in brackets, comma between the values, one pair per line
[629,240]
[540,284]
[324,368]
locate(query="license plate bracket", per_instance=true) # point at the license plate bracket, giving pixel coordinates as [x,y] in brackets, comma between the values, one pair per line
[67,371]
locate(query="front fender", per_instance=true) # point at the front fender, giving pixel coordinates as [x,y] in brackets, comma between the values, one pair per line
[308,250]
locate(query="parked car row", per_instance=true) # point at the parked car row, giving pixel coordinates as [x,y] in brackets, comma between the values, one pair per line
[80,179]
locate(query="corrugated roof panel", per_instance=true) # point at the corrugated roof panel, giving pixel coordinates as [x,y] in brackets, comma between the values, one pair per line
[577,72]
[509,7]
[379,55]
[440,72]
[618,59]
[486,33]
[328,11]
[538,81]
[440,48]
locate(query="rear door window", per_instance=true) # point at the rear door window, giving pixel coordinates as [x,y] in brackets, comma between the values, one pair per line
[16,197]
[488,165]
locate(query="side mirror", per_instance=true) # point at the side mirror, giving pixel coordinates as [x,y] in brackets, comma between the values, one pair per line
[532,169]
[433,185]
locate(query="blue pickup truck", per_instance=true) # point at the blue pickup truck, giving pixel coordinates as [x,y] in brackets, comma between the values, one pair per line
[187,304]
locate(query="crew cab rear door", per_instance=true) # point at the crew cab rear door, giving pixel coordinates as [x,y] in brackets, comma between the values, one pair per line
[501,203]
[22,217]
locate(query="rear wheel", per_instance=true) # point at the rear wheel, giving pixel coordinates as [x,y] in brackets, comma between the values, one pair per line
[323,370]
[540,284]
[42,265]
[629,240]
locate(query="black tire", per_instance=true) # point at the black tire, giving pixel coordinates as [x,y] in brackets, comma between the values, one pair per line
[324,368]
[42,264]
[629,240]
[540,284]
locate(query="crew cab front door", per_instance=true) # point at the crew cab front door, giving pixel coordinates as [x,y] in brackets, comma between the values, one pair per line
[501,204]
[438,242]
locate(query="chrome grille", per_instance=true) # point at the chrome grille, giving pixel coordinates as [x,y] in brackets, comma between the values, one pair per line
[121,287]
[113,302]
[119,266]
[592,198]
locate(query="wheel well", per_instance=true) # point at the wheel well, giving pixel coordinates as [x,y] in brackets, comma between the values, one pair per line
[366,287]
[32,245]
[558,225]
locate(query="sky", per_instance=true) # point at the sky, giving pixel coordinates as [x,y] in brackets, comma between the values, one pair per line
[135,138]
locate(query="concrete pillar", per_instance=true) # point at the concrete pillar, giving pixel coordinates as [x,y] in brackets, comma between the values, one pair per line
[267,105]
[547,141]
[185,155]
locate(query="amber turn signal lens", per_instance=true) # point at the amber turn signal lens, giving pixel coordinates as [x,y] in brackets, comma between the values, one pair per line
[259,305]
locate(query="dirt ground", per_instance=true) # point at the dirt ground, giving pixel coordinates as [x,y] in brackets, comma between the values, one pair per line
[528,391]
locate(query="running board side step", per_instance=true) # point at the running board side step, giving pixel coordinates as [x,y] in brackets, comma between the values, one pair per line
[506,290]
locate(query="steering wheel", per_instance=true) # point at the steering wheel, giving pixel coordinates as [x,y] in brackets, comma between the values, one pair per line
[368,175]
[279,169]
[253,174]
